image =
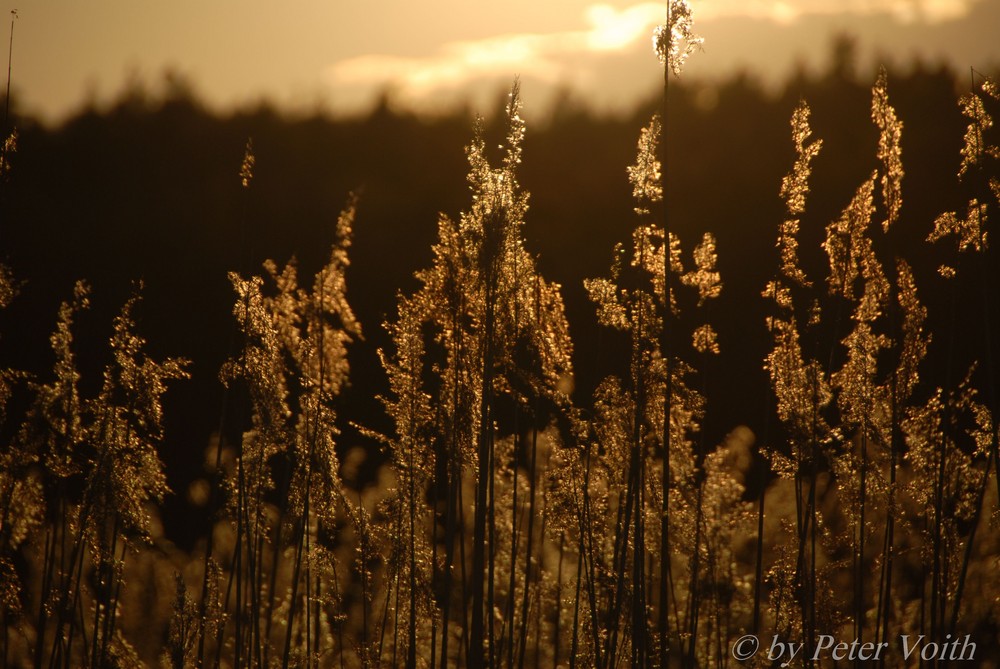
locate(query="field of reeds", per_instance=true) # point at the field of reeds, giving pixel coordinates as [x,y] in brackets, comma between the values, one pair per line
[496,516]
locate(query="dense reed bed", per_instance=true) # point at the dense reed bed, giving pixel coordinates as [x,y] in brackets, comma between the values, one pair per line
[506,522]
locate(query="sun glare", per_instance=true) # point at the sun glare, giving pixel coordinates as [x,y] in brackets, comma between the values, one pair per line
[612,29]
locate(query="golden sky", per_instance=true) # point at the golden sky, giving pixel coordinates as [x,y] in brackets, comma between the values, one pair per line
[342,54]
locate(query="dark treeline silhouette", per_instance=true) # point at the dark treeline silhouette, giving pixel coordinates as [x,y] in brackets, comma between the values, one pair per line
[147,190]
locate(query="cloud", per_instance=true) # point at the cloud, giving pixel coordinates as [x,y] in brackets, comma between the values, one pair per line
[611,29]
[545,56]
[789,11]
[555,57]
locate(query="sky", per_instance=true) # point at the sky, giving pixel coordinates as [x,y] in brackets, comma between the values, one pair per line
[342,56]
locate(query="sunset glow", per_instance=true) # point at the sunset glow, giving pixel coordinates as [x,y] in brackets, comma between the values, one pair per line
[554,57]
[328,54]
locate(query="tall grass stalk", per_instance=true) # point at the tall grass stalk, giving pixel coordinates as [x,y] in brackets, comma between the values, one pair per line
[10,65]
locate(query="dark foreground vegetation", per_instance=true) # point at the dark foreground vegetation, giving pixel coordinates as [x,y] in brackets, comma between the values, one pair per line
[746,386]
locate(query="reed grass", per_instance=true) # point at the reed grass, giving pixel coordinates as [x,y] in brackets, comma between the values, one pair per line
[514,523]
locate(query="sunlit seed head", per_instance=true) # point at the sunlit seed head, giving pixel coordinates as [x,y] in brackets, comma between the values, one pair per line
[705,340]
[674,42]
[991,89]
[889,151]
[8,149]
[246,168]
[645,174]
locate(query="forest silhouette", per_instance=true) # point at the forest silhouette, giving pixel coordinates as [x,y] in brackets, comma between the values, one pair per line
[148,190]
